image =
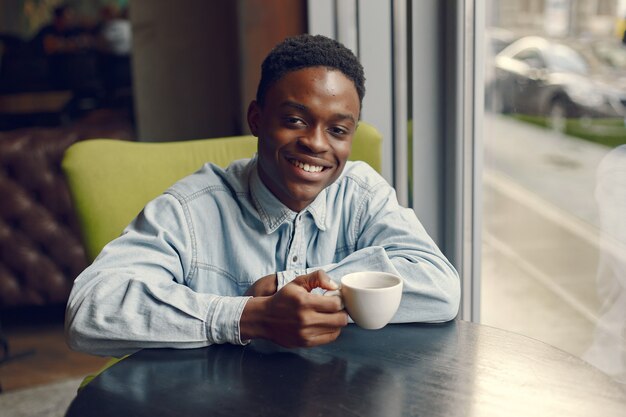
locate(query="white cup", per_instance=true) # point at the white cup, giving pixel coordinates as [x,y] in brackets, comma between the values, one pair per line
[371,298]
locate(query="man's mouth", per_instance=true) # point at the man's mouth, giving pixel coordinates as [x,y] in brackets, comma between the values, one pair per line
[306,167]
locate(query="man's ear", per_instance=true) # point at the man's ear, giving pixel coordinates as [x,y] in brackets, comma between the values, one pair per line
[254,117]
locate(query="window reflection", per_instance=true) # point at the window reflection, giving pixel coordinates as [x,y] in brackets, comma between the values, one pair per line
[611,53]
[607,348]
[554,246]
[563,58]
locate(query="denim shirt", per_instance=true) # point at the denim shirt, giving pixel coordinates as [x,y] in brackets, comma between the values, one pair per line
[177,274]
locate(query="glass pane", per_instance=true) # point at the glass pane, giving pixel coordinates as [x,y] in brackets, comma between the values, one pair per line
[554,184]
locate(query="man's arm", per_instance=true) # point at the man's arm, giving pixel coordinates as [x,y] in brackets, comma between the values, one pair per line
[390,238]
[135,295]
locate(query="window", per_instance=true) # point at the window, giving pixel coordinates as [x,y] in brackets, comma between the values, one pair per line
[554,193]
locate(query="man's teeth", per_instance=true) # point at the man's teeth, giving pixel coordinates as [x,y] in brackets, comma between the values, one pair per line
[306,167]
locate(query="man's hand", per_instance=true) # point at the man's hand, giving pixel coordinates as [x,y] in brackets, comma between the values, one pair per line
[293,317]
[263,286]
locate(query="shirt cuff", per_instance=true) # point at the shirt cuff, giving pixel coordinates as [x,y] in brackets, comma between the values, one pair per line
[222,325]
[238,324]
[285,277]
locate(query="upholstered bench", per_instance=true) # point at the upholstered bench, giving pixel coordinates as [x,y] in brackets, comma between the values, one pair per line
[40,247]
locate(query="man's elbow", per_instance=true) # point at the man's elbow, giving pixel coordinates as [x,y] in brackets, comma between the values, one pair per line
[79,335]
[82,341]
[74,338]
[450,309]
[440,303]
[452,300]
[447,298]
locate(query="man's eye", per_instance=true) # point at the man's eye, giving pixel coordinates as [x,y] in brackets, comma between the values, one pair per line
[338,131]
[294,121]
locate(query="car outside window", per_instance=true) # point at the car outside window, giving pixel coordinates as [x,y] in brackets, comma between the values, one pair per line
[531,57]
[565,59]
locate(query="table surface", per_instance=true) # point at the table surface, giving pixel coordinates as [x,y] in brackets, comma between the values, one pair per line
[452,369]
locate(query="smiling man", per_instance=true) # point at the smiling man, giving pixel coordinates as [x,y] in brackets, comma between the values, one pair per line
[305,126]
[226,256]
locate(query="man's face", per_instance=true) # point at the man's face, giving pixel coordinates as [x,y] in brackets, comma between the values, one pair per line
[305,130]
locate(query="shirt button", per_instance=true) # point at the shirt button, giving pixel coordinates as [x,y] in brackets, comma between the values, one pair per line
[295,259]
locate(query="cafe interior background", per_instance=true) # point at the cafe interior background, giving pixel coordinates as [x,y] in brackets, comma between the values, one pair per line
[504,125]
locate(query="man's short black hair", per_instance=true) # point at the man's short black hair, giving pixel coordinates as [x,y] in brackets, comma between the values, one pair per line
[304,51]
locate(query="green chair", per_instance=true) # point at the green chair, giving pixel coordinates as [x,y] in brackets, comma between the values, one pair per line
[111,180]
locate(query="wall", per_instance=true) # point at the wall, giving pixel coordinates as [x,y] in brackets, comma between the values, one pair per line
[262,24]
[196,68]
[185,69]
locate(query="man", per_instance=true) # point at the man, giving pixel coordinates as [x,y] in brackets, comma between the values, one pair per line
[62,35]
[68,49]
[226,256]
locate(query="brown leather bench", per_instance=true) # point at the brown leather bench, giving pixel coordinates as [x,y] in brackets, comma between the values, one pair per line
[40,248]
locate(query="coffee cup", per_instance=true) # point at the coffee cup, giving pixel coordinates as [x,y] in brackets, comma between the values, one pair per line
[371,298]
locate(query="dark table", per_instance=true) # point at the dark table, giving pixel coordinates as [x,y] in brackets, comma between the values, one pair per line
[452,369]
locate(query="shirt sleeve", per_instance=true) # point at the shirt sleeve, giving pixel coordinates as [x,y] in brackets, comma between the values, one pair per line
[390,238]
[135,295]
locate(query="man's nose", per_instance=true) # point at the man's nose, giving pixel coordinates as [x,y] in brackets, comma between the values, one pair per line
[314,140]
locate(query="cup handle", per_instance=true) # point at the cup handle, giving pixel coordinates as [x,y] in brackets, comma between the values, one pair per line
[336,293]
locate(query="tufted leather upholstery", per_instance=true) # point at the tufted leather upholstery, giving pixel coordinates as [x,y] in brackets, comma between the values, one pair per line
[40,248]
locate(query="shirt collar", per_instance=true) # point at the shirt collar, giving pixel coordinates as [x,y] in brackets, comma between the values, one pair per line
[273,213]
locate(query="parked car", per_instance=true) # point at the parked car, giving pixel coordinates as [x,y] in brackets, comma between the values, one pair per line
[611,52]
[496,39]
[557,79]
